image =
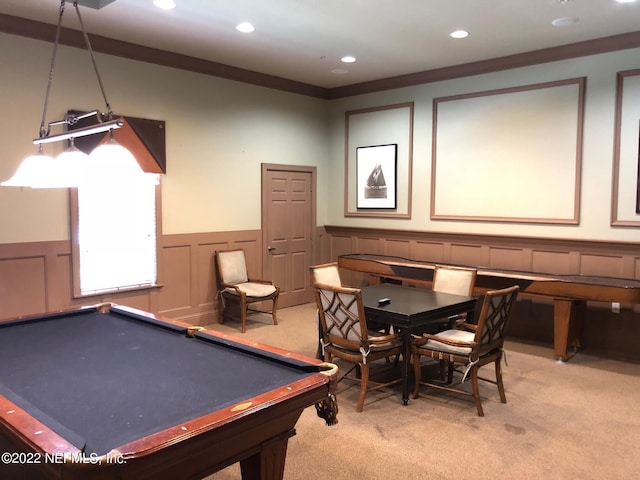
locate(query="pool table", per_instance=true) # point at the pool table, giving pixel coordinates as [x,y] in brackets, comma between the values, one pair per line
[113,392]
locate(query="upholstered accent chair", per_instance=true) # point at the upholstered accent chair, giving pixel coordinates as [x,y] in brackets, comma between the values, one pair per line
[345,335]
[469,347]
[237,291]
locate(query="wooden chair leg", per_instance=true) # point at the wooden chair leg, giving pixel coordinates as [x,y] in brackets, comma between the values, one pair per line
[450,373]
[364,381]
[243,316]
[222,305]
[273,311]
[503,397]
[476,390]
[444,368]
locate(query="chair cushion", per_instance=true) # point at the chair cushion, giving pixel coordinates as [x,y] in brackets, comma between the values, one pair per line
[328,276]
[457,335]
[253,289]
[233,267]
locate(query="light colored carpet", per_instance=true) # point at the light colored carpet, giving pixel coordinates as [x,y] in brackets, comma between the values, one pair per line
[577,420]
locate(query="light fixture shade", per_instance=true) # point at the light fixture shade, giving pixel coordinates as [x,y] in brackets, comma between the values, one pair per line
[66,171]
[165,4]
[113,160]
[72,167]
[32,171]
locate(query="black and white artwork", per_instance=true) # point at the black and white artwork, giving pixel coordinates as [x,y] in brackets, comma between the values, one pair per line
[376,176]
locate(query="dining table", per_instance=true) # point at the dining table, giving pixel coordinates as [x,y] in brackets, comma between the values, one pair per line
[410,310]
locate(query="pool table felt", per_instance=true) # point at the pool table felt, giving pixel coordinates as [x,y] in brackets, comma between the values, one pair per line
[104,380]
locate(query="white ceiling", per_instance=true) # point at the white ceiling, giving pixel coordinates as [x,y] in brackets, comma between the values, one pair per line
[303,40]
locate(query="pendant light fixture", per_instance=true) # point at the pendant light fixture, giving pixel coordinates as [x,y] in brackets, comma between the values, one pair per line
[72,166]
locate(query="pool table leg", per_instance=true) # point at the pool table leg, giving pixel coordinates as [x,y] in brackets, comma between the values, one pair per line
[268,462]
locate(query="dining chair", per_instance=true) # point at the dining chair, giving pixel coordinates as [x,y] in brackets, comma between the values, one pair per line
[327,274]
[237,290]
[455,280]
[345,335]
[469,346]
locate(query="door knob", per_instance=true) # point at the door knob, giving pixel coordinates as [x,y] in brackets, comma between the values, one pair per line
[270,248]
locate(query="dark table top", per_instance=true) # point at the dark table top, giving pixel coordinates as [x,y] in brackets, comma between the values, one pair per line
[413,306]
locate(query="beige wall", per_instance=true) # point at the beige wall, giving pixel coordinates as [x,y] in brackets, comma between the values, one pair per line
[218,134]
[597,160]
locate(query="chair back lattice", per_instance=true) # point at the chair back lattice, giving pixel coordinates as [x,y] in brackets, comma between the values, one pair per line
[496,310]
[341,316]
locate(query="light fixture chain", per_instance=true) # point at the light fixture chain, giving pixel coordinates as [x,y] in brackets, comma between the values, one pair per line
[93,60]
[43,132]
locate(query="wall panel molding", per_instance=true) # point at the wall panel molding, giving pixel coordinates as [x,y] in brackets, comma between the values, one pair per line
[625,195]
[502,155]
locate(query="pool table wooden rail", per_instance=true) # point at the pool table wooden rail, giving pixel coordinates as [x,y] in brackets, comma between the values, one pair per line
[569,292]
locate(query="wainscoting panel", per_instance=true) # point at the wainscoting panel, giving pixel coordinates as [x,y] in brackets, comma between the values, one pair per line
[557,263]
[398,248]
[606,265]
[176,279]
[509,258]
[19,274]
[37,277]
[204,294]
[189,291]
[464,254]
[368,243]
[433,250]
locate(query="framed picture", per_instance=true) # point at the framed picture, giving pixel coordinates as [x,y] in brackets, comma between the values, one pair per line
[376,176]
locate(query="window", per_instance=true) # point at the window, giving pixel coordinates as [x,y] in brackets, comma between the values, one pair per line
[115,236]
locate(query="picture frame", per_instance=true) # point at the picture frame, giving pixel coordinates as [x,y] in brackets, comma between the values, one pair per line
[638,177]
[376,176]
[625,192]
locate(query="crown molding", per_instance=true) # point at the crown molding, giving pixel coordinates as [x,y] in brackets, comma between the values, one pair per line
[73,38]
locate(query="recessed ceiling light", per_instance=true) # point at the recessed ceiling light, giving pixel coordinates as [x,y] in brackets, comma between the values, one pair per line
[348,59]
[165,4]
[564,21]
[245,27]
[459,34]
[626,1]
